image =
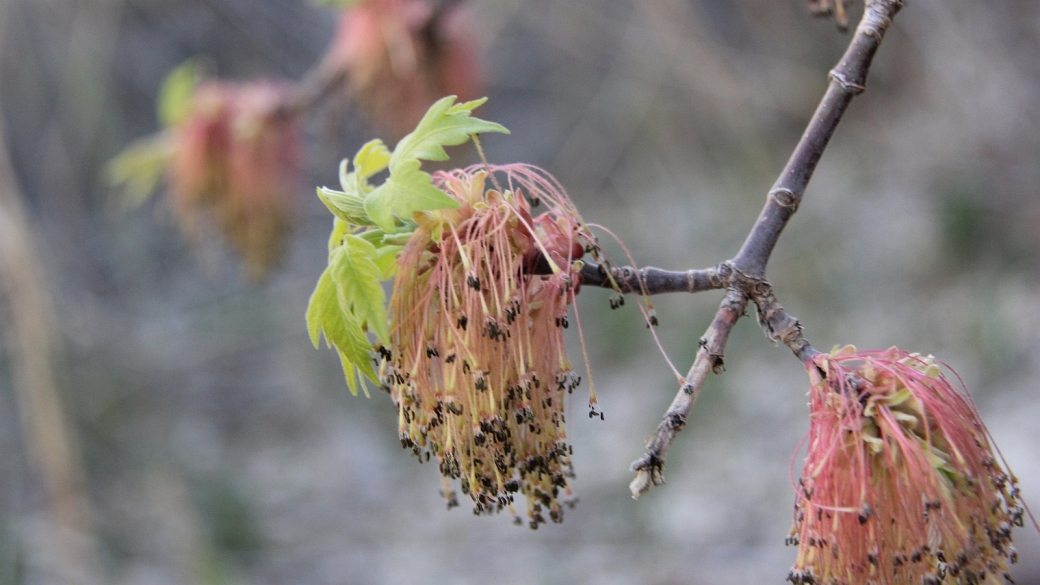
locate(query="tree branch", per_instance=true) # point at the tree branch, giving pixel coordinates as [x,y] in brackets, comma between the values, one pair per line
[650,280]
[650,467]
[847,80]
[745,277]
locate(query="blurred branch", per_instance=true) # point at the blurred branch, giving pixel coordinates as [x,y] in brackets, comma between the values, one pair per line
[38,399]
[745,276]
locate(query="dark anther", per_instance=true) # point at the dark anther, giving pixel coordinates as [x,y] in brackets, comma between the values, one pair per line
[473,282]
[450,359]
[462,322]
[865,513]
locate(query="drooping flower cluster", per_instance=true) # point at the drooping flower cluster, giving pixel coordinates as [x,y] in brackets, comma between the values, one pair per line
[237,155]
[401,55]
[478,369]
[900,484]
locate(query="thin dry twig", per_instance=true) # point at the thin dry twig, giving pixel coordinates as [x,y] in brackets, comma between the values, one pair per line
[744,275]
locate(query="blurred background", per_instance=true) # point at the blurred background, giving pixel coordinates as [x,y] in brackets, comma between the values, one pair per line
[164,418]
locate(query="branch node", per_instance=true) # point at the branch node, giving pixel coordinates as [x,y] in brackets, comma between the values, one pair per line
[717,364]
[785,198]
[875,20]
[677,420]
[846,84]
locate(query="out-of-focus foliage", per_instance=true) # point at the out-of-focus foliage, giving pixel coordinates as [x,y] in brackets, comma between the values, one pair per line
[140,168]
[175,95]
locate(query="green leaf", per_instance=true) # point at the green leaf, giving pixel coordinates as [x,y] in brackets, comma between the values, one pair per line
[385,259]
[377,206]
[140,167]
[320,309]
[358,279]
[406,191]
[354,353]
[339,229]
[349,207]
[445,124]
[373,157]
[341,330]
[409,189]
[175,95]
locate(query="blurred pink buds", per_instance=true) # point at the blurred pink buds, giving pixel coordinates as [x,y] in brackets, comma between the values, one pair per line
[399,56]
[236,155]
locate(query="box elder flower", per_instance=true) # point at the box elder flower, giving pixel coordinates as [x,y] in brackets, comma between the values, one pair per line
[900,484]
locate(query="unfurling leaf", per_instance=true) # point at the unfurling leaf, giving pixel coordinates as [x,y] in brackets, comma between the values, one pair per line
[409,189]
[341,330]
[373,157]
[345,205]
[445,124]
[358,280]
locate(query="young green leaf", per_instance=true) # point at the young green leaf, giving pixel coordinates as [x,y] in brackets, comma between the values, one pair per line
[358,280]
[373,157]
[409,189]
[406,191]
[140,167]
[444,124]
[386,259]
[339,229]
[348,206]
[341,330]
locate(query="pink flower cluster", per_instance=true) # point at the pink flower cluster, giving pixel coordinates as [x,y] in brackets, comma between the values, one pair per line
[900,484]
[479,371]
[399,57]
[237,157]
